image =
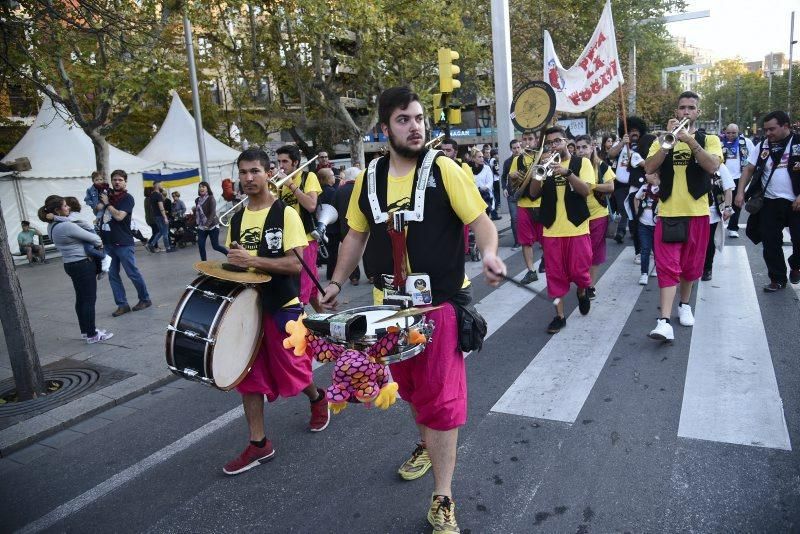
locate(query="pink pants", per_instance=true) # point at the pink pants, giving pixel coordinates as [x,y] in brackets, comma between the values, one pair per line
[435,381]
[307,287]
[528,230]
[568,260]
[597,233]
[276,371]
[676,261]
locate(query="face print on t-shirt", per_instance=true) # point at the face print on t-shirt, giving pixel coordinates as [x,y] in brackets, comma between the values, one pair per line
[274,239]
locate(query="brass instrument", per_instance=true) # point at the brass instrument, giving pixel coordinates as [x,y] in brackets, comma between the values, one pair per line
[671,138]
[546,169]
[520,183]
[435,142]
[274,183]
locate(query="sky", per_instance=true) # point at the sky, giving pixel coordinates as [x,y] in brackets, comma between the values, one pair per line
[749,29]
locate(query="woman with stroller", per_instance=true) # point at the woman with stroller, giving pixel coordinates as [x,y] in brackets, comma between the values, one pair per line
[205,214]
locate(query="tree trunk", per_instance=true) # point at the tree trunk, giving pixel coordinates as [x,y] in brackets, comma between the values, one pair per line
[101,152]
[25,365]
[357,149]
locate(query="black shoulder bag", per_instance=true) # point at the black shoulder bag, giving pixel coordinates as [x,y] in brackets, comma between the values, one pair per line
[755,199]
[472,327]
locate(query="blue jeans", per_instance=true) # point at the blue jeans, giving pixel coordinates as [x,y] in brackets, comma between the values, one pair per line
[163,231]
[201,242]
[124,255]
[84,281]
[512,211]
[646,240]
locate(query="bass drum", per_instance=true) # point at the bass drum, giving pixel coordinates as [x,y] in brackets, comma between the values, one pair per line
[215,332]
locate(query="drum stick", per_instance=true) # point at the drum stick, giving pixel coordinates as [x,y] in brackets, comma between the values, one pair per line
[526,288]
[309,273]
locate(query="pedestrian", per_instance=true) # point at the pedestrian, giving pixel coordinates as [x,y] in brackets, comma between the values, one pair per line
[25,240]
[101,260]
[494,165]
[565,218]
[330,231]
[529,225]
[508,190]
[736,149]
[178,207]
[484,179]
[681,233]
[276,371]
[160,216]
[720,199]
[433,382]
[645,211]
[117,206]
[70,239]
[774,170]
[205,215]
[150,220]
[341,202]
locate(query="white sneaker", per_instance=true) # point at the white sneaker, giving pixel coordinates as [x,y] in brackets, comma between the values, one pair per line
[733,233]
[101,335]
[105,263]
[653,273]
[643,279]
[637,259]
[662,331]
[685,315]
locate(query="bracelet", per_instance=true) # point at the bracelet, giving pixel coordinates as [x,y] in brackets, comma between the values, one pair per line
[337,284]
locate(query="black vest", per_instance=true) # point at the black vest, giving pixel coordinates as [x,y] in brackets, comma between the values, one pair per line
[283,287]
[575,204]
[309,222]
[793,165]
[697,179]
[435,246]
[601,172]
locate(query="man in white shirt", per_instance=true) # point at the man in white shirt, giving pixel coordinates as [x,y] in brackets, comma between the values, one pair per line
[736,150]
[776,164]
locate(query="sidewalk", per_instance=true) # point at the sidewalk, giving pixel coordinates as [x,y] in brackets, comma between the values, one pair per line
[135,355]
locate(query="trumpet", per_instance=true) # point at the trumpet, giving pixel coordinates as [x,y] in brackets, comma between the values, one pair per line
[671,138]
[274,183]
[546,169]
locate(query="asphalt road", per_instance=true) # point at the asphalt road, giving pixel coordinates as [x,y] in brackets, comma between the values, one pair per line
[620,465]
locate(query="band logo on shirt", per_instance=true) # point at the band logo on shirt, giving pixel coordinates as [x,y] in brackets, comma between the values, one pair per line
[273,236]
[250,237]
[289,199]
[681,158]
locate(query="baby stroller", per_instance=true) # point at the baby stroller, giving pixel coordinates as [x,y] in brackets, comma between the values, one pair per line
[183,232]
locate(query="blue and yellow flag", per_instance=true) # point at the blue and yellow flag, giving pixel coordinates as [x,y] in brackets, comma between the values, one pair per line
[173,179]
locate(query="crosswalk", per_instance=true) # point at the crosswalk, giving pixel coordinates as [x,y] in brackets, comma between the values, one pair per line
[730,390]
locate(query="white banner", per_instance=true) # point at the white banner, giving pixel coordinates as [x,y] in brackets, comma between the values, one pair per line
[594,76]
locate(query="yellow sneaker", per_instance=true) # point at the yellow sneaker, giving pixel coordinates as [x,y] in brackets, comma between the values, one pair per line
[442,515]
[417,465]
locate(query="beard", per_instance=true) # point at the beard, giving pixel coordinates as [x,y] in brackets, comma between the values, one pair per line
[403,151]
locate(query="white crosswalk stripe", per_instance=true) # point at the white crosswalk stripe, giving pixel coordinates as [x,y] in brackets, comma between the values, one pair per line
[557,382]
[731,394]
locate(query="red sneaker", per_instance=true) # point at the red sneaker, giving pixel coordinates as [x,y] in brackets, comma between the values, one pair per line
[320,413]
[250,458]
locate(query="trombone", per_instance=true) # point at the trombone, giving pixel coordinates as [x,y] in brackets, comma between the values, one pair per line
[273,182]
[671,138]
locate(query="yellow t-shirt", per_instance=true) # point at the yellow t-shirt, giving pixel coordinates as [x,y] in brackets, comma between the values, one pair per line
[680,203]
[524,201]
[312,186]
[291,235]
[563,227]
[464,197]
[596,211]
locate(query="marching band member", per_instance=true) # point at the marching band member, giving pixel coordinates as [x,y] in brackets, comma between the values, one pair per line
[262,236]
[598,205]
[301,194]
[682,228]
[529,226]
[565,216]
[434,382]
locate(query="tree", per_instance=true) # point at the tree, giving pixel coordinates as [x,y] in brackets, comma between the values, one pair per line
[99,59]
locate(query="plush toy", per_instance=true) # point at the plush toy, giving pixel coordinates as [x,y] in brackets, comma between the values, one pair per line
[358,376]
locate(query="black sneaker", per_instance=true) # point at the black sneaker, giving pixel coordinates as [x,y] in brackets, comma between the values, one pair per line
[584,302]
[706,276]
[794,276]
[556,325]
[591,292]
[541,266]
[619,237]
[772,287]
[529,277]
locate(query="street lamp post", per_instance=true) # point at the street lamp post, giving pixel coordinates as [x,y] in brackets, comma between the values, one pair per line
[791,49]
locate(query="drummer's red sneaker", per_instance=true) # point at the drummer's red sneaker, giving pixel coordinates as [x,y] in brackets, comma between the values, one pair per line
[250,458]
[320,413]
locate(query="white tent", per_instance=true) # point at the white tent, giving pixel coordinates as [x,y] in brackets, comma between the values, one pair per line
[175,145]
[62,161]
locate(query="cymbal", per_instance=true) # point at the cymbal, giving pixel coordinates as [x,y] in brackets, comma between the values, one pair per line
[215,269]
[409,312]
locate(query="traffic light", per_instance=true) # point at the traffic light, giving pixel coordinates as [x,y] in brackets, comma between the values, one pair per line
[454,115]
[438,111]
[447,71]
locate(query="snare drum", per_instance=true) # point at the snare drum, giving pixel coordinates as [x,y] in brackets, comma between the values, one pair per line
[215,332]
[375,330]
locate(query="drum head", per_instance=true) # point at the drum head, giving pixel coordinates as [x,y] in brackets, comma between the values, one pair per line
[237,339]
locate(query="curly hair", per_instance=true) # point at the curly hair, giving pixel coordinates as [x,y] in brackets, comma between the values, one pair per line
[634,123]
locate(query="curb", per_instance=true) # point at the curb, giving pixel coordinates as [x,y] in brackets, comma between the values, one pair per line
[43,425]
